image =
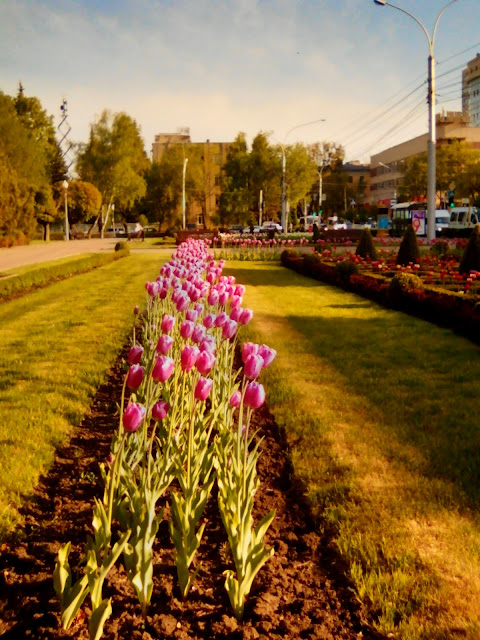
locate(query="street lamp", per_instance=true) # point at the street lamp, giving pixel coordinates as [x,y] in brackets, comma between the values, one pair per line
[113,220]
[431,148]
[284,169]
[65,188]
[183,193]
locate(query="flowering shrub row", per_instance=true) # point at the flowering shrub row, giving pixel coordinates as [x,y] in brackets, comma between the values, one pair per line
[184,424]
[394,289]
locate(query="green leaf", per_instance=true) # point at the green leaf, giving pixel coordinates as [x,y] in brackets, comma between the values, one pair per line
[98,619]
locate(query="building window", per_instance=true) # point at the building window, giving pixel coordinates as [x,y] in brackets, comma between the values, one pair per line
[200,222]
[217,181]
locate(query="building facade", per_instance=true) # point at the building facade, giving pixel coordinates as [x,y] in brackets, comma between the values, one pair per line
[201,211]
[471,91]
[385,167]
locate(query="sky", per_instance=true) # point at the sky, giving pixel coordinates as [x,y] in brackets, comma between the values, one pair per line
[221,67]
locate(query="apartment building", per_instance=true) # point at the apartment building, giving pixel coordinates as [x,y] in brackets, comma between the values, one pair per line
[385,167]
[358,178]
[213,154]
[471,91]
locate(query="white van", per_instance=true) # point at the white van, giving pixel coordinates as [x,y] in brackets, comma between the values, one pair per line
[464,217]
[442,220]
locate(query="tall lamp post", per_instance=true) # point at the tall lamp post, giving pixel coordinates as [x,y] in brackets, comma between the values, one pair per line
[65,188]
[431,148]
[284,171]
[183,193]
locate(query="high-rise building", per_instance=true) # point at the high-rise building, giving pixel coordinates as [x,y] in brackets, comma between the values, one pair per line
[471,91]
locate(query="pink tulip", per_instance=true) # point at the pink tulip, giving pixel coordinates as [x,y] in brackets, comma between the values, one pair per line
[167,323]
[163,368]
[133,416]
[235,399]
[192,315]
[208,344]
[254,395]
[268,354]
[247,315]
[160,410]
[239,290]
[236,313]
[205,362]
[135,376]
[209,320]
[186,329]
[189,357]
[212,297]
[136,310]
[164,344]
[198,333]
[229,329]
[249,348]
[253,366]
[236,301]
[202,389]
[221,319]
[223,298]
[135,354]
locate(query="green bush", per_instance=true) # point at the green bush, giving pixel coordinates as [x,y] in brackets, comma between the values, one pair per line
[316,232]
[122,246]
[440,248]
[365,246]
[471,256]
[401,285]
[409,250]
[345,269]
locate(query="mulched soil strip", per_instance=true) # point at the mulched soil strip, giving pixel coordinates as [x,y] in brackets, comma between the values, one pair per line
[301,592]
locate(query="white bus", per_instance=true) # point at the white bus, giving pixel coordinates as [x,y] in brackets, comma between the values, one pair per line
[404,211]
[464,217]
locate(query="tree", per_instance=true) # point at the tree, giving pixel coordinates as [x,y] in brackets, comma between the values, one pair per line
[300,173]
[114,160]
[235,197]
[84,201]
[264,174]
[17,218]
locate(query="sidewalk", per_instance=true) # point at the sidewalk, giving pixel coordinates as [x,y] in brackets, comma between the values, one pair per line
[16,257]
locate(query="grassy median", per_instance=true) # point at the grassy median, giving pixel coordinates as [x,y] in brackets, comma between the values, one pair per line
[381,414]
[57,346]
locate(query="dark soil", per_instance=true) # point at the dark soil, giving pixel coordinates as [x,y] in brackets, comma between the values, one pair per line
[301,592]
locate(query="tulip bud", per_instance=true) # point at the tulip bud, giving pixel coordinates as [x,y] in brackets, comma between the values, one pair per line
[209,320]
[205,362]
[133,416]
[221,319]
[249,348]
[253,366]
[136,310]
[229,329]
[164,344]
[135,376]
[202,389]
[268,354]
[160,410]
[167,323]
[192,315]
[163,368]
[235,399]
[135,355]
[247,315]
[186,329]
[189,357]
[254,395]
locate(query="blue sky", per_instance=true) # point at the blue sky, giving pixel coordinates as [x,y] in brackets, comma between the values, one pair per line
[224,66]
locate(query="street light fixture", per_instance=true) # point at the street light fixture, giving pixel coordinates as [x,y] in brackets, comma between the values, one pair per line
[431,148]
[284,170]
[65,188]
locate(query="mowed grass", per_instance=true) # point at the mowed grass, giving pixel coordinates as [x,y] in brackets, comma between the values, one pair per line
[57,346]
[381,415]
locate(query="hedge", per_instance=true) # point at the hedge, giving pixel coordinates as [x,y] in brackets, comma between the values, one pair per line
[15,286]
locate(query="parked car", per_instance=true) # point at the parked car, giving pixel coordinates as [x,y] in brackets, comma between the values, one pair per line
[119,230]
[256,229]
[333,223]
[272,226]
[235,228]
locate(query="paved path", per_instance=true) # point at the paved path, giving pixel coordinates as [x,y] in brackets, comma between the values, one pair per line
[15,257]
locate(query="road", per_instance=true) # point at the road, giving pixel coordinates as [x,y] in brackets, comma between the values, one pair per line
[16,257]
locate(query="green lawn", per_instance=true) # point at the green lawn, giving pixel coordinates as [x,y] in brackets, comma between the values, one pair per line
[381,414]
[57,346]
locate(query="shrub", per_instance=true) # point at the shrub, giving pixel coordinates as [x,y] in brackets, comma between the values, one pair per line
[345,269]
[365,246]
[471,256]
[440,248]
[122,246]
[401,287]
[408,250]
[316,232]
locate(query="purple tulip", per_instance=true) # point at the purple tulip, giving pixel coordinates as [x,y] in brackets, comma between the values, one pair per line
[235,399]
[167,323]
[163,368]
[135,354]
[186,329]
[254,395]
[133,416]
[135,376]
[209,320]
[253,366]
[202,389]
[205,362]
[268,354]
[160,410]
[229,329]
[247,315]
[164,344]
[189,357]
[249,348]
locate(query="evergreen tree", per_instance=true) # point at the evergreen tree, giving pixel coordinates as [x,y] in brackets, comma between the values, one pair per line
[471,256]
[365,246]
[409,250]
